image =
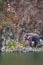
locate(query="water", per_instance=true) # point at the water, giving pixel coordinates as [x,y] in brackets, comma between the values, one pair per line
[31,58]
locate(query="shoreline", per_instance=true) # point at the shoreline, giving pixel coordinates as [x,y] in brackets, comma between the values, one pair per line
[25,50]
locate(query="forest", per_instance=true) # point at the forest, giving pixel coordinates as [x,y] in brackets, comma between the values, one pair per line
[18,17]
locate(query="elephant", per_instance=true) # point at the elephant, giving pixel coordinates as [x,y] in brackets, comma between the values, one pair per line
[32,38]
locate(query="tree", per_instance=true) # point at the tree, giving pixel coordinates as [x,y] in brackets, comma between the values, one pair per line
[2,4]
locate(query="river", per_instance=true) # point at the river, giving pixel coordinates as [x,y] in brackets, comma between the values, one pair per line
[31,58]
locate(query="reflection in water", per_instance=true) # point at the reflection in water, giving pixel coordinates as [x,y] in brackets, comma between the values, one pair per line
[31,58]
[0,58]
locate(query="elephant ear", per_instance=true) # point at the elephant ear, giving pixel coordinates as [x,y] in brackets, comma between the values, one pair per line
[28,37]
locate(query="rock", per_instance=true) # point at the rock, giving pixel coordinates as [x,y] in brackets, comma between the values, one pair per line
[3,49]
[41,42]
[30,48]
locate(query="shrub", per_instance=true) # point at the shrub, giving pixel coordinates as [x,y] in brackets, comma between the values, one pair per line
[10,44]
[4,23]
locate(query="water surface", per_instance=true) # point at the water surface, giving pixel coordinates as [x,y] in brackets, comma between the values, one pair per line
[31,58]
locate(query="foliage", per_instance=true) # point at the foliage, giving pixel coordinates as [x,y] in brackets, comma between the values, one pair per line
[4,23]
[15,45]
[25,44]
[10,44]
[2,4]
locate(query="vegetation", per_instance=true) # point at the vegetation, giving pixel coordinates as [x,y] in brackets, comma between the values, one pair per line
[10,44]
[4,24]
[2,4]
[21,16]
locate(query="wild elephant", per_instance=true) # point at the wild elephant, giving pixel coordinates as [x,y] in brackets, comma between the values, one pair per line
[32,38]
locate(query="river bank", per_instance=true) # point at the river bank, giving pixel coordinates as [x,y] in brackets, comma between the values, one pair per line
[24,47]
[21,49]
